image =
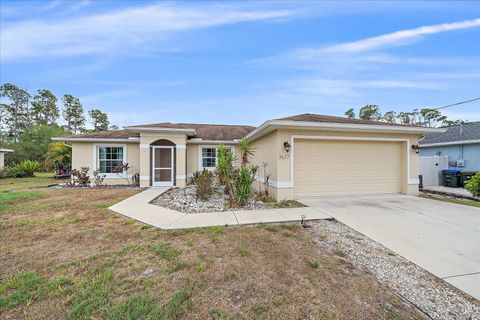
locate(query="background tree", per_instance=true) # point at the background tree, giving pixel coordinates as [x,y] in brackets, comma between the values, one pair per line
[350,113]
[73,114]
[113,127]
[44,108]
[58,153]
[432,117]
[390,116]
[16,116]
[370,112]
[99,120]
[33,143]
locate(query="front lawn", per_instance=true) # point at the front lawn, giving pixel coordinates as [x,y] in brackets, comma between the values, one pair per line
[65,255]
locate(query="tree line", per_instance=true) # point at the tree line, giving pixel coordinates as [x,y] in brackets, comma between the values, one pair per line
[423,117]
[20,110]
[28,122]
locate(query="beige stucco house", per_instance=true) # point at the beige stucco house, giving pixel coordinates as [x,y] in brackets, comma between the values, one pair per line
[3,151]
[305,155]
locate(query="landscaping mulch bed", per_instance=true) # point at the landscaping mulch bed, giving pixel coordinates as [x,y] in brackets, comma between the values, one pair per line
[186,200]
[436,298]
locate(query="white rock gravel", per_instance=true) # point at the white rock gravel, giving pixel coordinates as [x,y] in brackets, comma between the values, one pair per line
[185,200]
[436,298]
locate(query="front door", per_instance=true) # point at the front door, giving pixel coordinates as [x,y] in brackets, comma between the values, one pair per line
[162,169]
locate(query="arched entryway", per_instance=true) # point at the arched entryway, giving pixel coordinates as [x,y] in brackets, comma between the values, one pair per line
[162,163]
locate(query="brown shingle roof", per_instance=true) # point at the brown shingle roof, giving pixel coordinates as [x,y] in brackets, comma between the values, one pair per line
[204,131]
[117,134]
[207,131]
[310,117]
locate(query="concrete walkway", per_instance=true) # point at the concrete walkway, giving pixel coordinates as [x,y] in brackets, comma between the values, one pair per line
[138,207]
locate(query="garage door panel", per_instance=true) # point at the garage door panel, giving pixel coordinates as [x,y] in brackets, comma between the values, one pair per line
[346,167]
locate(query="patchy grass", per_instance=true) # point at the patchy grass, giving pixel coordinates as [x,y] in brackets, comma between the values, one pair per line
[27,287]
[11,198]
[464,202]
[64,256]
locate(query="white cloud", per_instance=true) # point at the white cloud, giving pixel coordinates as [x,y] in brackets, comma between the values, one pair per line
[401,37]
[127,29]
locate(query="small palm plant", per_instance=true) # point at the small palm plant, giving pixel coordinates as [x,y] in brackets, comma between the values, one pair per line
[246,149]
[225,171]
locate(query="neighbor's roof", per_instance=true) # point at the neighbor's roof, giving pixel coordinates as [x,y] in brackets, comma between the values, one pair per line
[469,133]
[310,117]
[217,132]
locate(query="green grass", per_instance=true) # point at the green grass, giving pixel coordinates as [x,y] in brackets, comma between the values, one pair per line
[136,307]
[165,250]
[26,287]
[10,198]
[313,263]
[457,201]
[92,296]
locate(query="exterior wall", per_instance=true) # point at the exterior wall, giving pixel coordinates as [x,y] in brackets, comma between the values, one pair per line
[83,156]
[179,140]
[270,148]
[469,152]
[2,160]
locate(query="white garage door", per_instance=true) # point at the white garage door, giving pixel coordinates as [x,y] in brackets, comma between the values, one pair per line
[345,167]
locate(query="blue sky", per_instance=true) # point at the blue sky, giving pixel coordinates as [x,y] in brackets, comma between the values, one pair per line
[244,62]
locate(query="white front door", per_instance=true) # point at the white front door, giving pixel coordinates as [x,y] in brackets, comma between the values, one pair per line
[162,168]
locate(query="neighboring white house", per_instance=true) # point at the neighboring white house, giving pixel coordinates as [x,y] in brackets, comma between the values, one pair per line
[3,151]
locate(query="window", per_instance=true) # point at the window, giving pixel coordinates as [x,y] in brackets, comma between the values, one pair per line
[209,157]
[109,158]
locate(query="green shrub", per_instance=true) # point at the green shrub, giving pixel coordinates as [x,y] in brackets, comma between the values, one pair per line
[474,185]
[203,183]
[244,179]
[29,167]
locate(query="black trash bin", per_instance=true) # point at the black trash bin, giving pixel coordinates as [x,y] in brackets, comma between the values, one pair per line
[465,176]
[451,178]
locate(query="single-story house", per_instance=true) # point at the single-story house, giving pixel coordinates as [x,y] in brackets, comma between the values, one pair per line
[3,151]
[460,143]
[305,155]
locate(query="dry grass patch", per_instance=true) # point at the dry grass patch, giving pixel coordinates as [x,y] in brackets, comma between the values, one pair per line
[80,261]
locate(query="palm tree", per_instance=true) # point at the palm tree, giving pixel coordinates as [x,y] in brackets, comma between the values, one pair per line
[246,149]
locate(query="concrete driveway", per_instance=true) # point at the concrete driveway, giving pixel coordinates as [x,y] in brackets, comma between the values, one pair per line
[441,237]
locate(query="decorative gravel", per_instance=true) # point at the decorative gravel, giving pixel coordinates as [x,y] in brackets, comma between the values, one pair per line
[436,298]
[185,200]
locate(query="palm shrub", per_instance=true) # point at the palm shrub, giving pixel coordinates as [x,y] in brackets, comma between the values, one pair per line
[246,150]
[244,179]
[225,171]
[474,185]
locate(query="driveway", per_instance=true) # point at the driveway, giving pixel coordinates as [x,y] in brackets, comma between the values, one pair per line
[441,237]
